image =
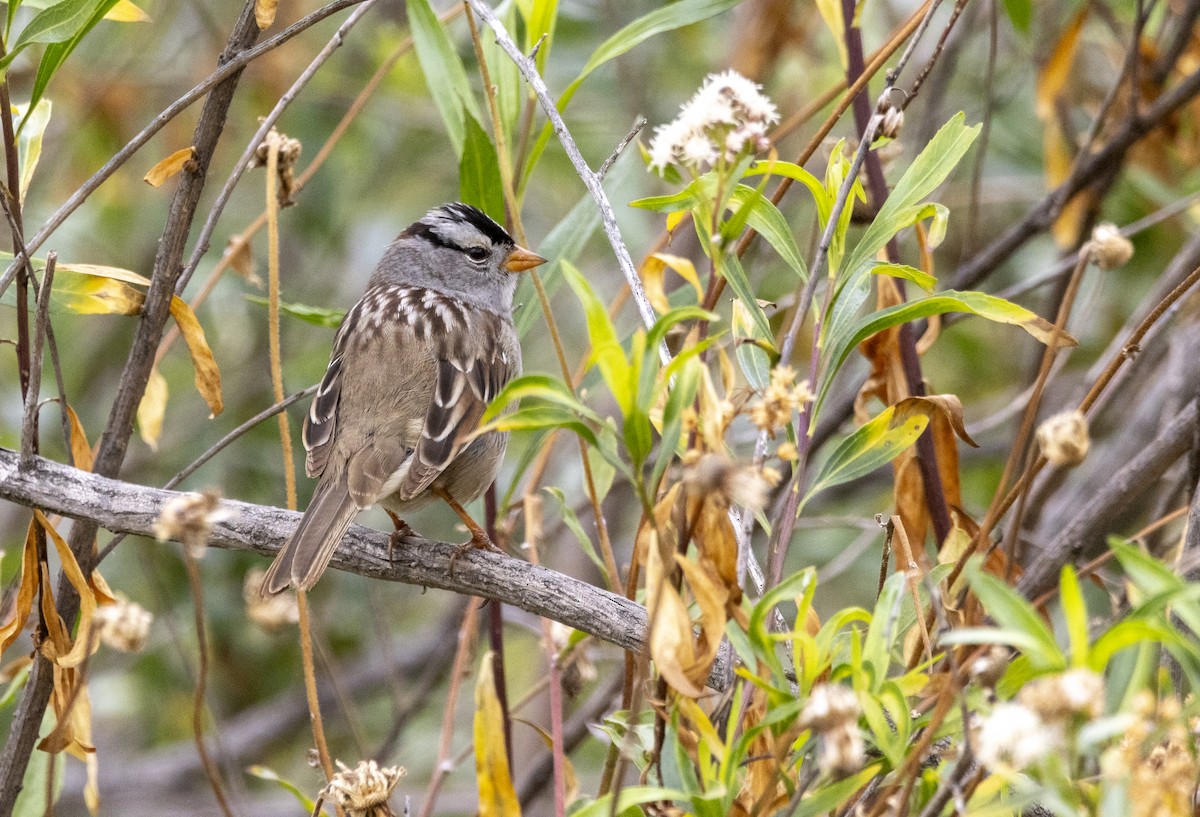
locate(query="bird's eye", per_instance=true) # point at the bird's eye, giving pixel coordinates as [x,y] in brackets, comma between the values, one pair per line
[477,254]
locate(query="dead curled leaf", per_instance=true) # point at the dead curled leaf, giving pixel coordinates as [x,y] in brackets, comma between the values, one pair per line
[207,375]
[152,409]
[169,166]
[264,13]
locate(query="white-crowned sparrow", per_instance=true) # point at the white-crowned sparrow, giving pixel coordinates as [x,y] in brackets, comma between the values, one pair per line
[414,365]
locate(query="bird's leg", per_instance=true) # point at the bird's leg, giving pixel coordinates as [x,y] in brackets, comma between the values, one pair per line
[402,531]
[479,539]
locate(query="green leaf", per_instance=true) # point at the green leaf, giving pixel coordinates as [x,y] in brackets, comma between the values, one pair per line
[14,686]
[873,444]
[1075,614]
[1013,612]
[540,19]
[443,70]
[828,798]
[29,140]
[666,18]
[1152,578]
[571,520]
[796,173]
[31,801]
[740,284]
[882,632]
[751,348]
[479,181]
[1020,12]
[542,387]
[922,279]
[927,171]
[606,348]
[976,303]
[769,223]
[506,77]
[319,315]
[58,23]
[627,797]
[264,773]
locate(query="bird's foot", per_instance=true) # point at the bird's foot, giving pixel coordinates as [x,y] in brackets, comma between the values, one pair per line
[479,541]
[402,531]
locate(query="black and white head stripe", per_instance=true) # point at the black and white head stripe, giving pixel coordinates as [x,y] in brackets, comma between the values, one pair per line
[458,226]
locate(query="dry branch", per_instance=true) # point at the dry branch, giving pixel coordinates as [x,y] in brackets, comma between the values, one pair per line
[123,507]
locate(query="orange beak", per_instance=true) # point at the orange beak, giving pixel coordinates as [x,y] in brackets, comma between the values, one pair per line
[521,259]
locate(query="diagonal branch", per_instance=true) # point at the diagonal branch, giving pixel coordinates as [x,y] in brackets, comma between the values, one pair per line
[127,508]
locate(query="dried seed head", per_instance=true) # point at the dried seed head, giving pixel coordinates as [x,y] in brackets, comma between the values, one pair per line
[188,518]
[1109,248]
[1013,737]
[714,476]
[726,119]
[364,790]
[125,625]
[988,668]
[787,452]
[271,612]
[782,397]
[1064,696]
[891,123]
[830,707]
[1063,439]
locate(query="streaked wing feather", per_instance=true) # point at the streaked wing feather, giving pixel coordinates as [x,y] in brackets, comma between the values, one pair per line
[469,377]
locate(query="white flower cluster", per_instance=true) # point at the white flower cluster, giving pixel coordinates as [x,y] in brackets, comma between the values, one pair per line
[727,117]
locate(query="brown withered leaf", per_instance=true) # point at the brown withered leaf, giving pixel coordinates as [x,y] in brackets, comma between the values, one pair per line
[241,260]
[716,542]
[208,376]
[169,166]
[27,586]
[711,597]
[152,409]
[264,13]
[763,790]
[73,731]
[81,452]
[60,648]
[671,644]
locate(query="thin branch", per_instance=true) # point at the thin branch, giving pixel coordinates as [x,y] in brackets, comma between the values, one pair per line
[590,180]
[128,508]
[42,322]
[268,122]
[231,66]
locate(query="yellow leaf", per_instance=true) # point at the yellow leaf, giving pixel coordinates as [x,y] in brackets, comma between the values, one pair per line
[87,600]
[26,587]
[208,376]
[652,281]
[1058,155]
[96,295]
[81,452]
[264,13]
[1053,76]
[126,12]
[152,408]
[101,271]
[169,166]
[711,597]
[683,268]
[831,13]
[497,797]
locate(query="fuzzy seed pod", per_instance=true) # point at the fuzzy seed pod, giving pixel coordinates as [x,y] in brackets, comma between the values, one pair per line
[1063,439]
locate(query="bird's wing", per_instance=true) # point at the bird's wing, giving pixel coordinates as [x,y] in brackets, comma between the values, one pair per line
[473,366]
[320,424]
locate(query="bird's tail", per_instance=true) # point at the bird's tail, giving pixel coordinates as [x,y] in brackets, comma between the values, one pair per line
[306,554]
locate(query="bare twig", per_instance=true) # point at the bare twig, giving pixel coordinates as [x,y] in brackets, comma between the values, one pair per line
[638,124]
[268,122]
[211,771]
[235,60]
[590,180]
[42,323]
